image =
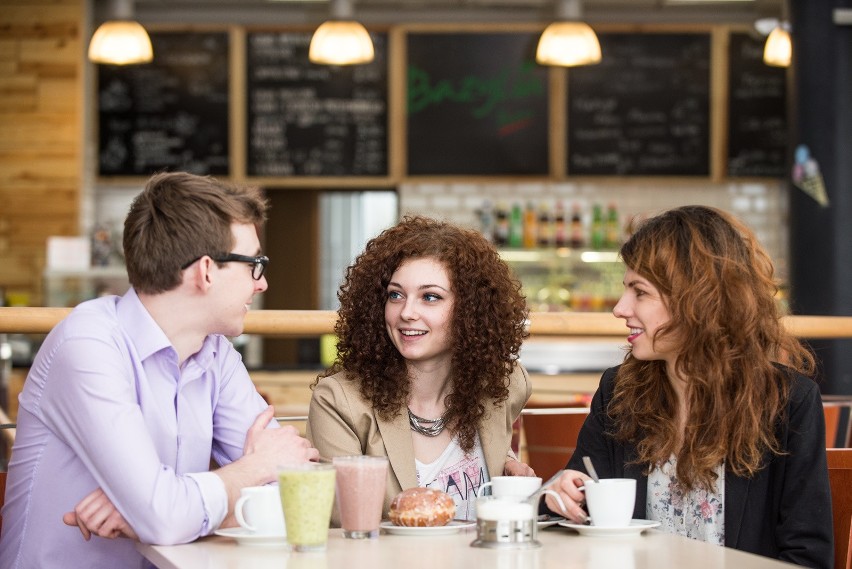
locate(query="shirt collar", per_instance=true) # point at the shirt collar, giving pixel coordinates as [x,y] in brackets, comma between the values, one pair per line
[140,326]
[147,335]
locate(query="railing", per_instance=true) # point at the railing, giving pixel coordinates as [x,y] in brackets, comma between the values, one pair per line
[37,320]
[40,320]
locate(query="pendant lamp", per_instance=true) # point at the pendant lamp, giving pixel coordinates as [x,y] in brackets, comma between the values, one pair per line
[778,50]
[341,40]
[121,40]
[568,42]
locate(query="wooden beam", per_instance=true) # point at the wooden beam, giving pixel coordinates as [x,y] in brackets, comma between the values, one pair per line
[39,320]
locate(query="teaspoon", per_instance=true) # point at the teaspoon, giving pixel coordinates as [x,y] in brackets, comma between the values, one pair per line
[590,469]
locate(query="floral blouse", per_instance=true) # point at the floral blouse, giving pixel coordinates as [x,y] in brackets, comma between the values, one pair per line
[699,513]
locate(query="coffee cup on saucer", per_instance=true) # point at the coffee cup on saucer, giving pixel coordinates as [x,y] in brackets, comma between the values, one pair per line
[511,488]
[610,501]
[258,510]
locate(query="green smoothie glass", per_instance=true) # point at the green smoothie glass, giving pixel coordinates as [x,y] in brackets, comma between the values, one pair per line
[307,496]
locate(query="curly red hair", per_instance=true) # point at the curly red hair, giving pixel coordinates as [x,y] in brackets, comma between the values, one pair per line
[488,321]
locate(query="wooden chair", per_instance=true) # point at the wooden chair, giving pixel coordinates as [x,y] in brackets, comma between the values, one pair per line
[840,478]
[838,420]
[551,431]
[832,423]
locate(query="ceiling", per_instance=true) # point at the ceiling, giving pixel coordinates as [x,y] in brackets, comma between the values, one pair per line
[462,11]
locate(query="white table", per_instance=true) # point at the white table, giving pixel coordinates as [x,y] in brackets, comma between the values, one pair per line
[561,548]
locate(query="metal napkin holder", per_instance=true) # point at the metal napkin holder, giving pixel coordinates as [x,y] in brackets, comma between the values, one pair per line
[520,533]
[506,534]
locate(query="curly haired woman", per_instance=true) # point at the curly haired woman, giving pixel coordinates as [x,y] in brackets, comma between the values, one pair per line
[710,412]
[429,328]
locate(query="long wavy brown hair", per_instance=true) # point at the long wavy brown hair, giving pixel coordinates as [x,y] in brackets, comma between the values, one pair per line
[487,322]
[718,284]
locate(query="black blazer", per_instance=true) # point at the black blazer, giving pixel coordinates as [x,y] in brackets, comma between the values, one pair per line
[783,512]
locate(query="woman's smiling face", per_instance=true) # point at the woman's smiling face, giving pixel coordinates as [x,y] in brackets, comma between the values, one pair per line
[419,310]
[645,312]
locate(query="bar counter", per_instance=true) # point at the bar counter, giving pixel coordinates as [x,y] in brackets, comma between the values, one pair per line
[562,548]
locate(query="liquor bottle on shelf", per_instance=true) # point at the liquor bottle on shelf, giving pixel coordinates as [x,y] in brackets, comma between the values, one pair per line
[613,228]
[516,226]
[560,227]
[487,223]
[577,241]
[545,226]
[597,229]
[501,225]
[530,231]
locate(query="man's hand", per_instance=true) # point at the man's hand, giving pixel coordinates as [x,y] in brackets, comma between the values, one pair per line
[96,514]
[264,451]
[274,447]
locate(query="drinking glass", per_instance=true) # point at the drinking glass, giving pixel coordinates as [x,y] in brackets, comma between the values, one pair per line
[307,497]
[361,484]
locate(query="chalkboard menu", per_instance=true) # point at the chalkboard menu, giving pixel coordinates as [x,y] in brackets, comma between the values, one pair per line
[314,120]
[171,114]
[644,109]
[477,105]
[757,103]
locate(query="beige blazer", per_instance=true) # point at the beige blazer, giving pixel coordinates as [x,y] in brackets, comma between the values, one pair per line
[341,423]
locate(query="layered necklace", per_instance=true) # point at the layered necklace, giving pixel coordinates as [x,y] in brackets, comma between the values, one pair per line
[428,427]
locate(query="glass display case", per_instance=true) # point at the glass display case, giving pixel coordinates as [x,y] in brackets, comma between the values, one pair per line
[70,287]
[565,279]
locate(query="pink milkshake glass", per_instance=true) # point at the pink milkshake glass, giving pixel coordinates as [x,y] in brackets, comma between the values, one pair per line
[360,493]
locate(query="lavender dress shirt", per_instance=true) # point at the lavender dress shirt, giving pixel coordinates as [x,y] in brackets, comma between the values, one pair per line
[107,405]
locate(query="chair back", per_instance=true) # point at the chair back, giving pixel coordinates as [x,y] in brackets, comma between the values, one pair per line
[838,420]
[550,431]
[832,423]
[840,478]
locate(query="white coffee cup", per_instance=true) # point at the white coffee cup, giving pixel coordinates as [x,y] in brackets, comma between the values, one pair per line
[512,488]
[258,509]
[610,501]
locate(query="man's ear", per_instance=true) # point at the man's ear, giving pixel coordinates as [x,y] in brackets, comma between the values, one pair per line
[199,274]
[207,265]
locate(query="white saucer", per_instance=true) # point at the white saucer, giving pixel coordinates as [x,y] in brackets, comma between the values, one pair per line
[454,526]
[245,537]
[635,528]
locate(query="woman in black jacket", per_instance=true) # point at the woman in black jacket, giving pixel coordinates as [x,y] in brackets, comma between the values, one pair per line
[711,411]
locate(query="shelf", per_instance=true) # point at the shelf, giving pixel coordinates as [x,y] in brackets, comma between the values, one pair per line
[109,272]
[565,279]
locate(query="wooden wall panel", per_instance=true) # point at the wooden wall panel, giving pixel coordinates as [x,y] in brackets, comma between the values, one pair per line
[41,60]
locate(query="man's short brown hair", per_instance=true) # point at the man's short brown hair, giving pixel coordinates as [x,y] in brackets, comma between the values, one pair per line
[179,217]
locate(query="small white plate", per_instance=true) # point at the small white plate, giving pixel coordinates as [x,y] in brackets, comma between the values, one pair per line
[245,537]
[635,528]
[452,527]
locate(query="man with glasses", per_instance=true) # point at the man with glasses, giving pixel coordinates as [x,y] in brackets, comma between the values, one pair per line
[130,397]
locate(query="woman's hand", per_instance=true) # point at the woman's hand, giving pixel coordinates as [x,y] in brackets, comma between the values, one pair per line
[516,468]
[569,487]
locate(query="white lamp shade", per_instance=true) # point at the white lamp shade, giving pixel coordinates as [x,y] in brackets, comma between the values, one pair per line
[339,42]
[778,50]
[568,44]
[120,42]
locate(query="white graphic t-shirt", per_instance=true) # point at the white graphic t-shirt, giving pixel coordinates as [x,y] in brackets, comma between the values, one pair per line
[458,474]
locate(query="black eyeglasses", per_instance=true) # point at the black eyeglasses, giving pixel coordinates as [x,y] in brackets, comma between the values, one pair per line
[258,264]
